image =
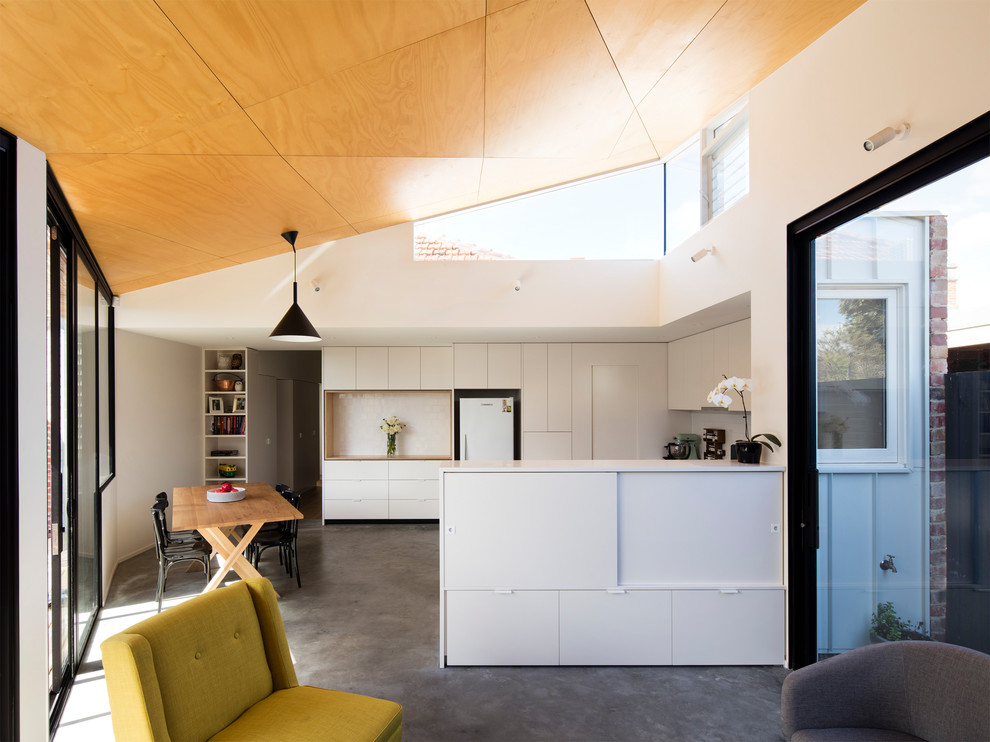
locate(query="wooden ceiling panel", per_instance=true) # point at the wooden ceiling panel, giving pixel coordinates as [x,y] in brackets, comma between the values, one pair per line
[100,76]
[128,252]
[551,88]
[188,134]
[269,48]
[232,134]
[743,44]
[220,205]
[645,37]
[425,100]
[364,188]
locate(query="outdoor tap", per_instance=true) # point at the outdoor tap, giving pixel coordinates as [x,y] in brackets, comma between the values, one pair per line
[888,563]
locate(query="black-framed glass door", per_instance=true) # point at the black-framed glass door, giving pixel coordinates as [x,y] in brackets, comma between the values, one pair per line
[889,375]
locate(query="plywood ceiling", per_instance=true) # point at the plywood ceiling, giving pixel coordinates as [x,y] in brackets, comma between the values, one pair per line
[188,134]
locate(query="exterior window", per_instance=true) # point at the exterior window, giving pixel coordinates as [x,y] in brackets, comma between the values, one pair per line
[857,375]
[726,164]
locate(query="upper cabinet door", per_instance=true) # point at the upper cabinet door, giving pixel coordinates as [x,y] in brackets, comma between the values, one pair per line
[403,368]
[559,386]
[339,368]
[534,387]
[471,366]
[436,367]
[372,368]
[505,366]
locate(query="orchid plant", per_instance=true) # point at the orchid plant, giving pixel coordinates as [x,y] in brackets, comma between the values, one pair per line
[720,397]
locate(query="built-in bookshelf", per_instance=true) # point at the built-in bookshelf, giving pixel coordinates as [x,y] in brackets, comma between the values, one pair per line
[225,410]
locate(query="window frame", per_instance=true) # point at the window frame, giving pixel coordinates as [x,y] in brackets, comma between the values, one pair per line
[715,139]
[895,393]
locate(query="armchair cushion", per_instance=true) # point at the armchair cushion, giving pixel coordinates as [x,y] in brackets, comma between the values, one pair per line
[305,713]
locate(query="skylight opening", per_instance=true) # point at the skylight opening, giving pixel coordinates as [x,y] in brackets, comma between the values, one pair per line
[618,216]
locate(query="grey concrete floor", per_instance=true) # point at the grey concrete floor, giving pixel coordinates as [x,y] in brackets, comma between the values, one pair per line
[366,620]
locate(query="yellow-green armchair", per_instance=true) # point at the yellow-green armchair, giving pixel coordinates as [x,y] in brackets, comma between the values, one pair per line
[217,667]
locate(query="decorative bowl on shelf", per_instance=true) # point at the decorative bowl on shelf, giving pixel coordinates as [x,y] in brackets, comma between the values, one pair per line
[227,470]
[220,494]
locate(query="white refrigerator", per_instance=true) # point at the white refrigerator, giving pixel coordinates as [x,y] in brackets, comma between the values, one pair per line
[487,432]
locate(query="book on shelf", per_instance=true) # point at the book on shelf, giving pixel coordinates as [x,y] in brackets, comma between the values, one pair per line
[228,425]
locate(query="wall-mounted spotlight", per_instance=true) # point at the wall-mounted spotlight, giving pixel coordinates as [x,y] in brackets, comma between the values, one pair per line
[517,285]
[885,135]
[702,254]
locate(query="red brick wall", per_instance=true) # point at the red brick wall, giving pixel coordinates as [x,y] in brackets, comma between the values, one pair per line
[938,349]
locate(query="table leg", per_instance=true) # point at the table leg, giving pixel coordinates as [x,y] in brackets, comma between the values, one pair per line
[231,554]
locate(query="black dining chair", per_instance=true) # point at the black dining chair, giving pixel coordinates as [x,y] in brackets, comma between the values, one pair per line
[284,537]
[173,552]
[178,536]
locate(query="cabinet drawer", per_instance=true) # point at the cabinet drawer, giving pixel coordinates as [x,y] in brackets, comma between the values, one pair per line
[615,627]
[355,509]
[728,627]
[414,489]
[355,470]
[415,469]
[502,627]
[414,509]
[355,489]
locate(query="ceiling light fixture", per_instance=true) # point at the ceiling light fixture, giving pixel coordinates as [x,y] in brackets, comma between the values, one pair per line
[294,326]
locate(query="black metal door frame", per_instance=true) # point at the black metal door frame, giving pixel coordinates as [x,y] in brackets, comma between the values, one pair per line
[953,152]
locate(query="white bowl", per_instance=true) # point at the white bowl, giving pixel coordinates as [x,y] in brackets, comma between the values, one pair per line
[217,496]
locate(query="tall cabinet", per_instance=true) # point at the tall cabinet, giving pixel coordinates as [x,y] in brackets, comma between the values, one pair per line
[225,408]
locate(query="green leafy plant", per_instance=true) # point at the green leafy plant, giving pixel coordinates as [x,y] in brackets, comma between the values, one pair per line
[886,624]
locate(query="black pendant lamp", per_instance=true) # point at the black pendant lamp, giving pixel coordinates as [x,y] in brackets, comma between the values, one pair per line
[294,327]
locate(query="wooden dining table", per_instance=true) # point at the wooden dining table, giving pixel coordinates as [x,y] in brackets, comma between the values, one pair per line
[216,520]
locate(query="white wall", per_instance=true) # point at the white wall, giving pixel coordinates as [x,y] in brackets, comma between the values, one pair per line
[371,281]
[159,430]
[918,61]
[32,442]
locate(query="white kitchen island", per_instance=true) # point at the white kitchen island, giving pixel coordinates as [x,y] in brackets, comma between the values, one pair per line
[611,563]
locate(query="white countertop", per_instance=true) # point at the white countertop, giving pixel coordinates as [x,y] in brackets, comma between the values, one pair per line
[656,465]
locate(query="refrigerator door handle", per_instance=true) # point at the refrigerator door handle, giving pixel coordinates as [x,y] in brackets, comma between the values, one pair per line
[464,447]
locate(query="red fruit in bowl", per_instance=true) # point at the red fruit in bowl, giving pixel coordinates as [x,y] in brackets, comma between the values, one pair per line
[225,487]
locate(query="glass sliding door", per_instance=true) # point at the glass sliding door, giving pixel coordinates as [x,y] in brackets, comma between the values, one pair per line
[80,440]
[85,530]
[889,345]
[58,461]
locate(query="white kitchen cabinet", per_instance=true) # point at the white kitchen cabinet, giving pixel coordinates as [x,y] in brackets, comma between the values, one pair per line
[546,388]
[436,367]
[528,553]
[615,627]
[355,490]
[340,368]
[504,366]
[559,387]
[534,389]
[695,364]
[470,366]
[502,627]
[403,367]
[730,626]
[549,446]
[526,530]
[704,528]
[414,489]
[372,367]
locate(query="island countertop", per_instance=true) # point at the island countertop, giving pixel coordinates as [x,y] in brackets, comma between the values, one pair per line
[617,465]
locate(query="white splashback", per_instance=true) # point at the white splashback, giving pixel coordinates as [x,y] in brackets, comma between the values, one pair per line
[358,415]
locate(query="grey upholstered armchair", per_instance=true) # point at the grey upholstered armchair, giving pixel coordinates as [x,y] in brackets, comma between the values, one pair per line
[911,690]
